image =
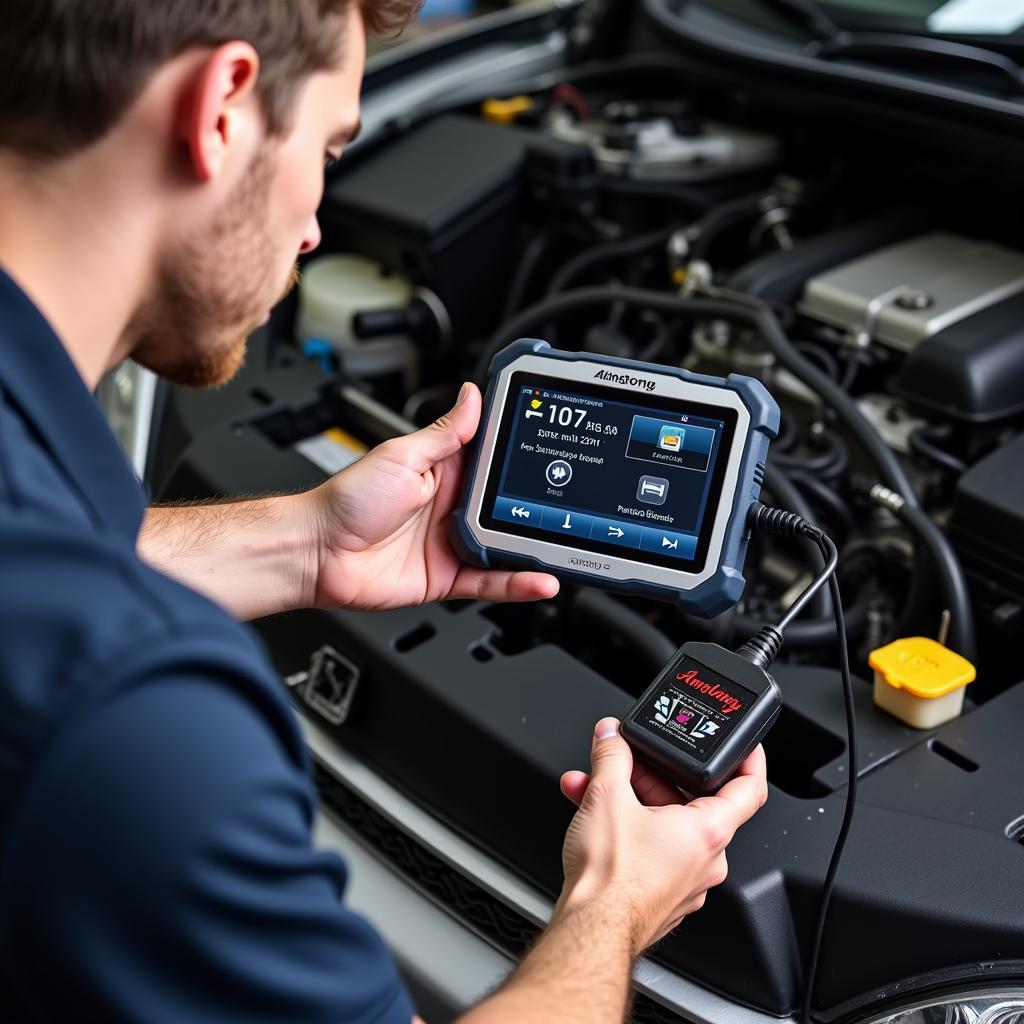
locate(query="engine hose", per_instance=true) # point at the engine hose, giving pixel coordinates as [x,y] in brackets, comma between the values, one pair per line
[808,634]
[786,495]
[928,537]
[524,274]
[826,497]
[922,442]
[724,216]
[598,254]
[609,616]
[789,434]
[829,464]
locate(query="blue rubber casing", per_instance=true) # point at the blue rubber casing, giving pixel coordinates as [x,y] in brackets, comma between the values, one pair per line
[710,597]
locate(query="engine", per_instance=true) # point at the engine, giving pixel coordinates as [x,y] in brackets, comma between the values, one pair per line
[615,219]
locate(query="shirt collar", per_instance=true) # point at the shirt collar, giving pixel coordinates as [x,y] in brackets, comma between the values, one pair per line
[43,383]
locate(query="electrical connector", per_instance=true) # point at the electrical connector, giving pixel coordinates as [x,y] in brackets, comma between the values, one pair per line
[704,713]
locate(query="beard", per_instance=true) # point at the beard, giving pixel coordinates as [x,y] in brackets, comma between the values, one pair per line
[212,291]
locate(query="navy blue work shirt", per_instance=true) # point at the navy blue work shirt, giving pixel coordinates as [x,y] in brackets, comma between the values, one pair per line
[155,802]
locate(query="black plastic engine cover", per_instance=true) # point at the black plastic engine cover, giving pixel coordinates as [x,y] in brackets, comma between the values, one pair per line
[929,880]
[973,370]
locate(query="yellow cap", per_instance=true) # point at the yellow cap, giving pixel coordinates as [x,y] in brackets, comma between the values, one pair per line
[922,667]
[506,111]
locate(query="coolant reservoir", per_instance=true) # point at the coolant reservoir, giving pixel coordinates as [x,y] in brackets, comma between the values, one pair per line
[920,681]
[335,288]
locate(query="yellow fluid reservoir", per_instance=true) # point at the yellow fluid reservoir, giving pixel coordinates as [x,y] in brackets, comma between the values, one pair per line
[920,681]
[506,111]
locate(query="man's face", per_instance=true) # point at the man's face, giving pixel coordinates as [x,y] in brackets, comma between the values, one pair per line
[219,283]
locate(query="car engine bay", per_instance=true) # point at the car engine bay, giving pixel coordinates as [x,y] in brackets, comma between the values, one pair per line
[626,213]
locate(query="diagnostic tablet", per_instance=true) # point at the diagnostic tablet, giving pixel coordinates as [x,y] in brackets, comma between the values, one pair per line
[629,476]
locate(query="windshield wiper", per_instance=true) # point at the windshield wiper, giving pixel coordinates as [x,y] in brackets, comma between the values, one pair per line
[886,45]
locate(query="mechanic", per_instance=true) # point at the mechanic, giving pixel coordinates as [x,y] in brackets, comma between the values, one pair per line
[161,163]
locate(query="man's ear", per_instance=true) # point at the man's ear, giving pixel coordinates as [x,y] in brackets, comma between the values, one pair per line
[215,119]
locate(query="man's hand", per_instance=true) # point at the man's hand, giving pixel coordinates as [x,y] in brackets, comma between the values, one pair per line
[382,525]
[636,841]
[638,858]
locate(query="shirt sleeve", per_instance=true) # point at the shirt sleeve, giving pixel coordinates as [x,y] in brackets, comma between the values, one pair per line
[159,867]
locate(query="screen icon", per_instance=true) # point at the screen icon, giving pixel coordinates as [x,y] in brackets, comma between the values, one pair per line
[534,408]
[652,489]
[671,438]
[558,473]
[519,512]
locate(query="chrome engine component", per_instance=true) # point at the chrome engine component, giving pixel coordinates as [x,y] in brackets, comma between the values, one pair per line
[908,292]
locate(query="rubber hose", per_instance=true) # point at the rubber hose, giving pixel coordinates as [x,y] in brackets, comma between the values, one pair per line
[598,254]
[609,616]
[827,498]
[808,634]
[955,595]
[710,227]
[786,495]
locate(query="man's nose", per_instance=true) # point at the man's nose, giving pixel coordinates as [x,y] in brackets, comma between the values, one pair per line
[311,236]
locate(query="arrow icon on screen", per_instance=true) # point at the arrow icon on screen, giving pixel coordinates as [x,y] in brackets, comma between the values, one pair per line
[614,531]
[520,513]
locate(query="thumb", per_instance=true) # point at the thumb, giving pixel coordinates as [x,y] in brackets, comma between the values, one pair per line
[424,448]
[611,760]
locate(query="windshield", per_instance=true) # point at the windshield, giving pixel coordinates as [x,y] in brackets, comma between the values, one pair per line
[993,21]
[949,17]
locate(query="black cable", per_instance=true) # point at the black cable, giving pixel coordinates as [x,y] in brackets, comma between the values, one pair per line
[778,522]
[524,274]
[789,434]
[828,362]
[922,442]
[826,497]
[725,215]
[853,364]
[955,596]
[784,491]
[831,561]
[812,634]
[832,461]
[851,799]
[634,246]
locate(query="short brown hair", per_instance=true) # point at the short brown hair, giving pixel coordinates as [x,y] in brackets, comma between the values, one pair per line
[69,69]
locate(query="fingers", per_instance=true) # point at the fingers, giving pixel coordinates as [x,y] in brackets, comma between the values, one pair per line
[611,760]
[574,786]
[747,791]
[652,790]
[498,585]
[424,448]
[736,802]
